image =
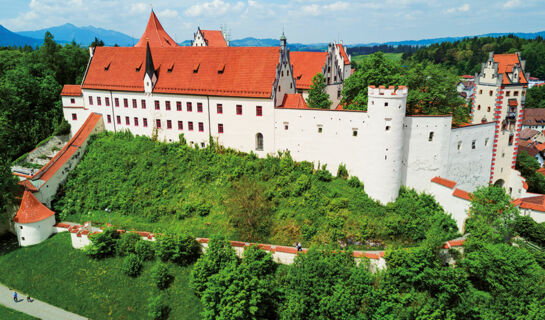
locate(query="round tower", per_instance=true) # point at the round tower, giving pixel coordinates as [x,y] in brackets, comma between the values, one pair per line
[386,112]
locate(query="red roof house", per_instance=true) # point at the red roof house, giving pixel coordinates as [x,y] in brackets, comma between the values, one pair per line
[155,35]
[31,210]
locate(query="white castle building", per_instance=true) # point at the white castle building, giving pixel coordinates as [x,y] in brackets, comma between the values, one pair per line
[252,99]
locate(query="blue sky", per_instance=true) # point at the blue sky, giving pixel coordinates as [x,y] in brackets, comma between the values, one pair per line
[306,21]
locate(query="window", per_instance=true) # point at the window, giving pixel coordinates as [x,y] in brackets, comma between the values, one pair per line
[169,124]
[178,105]
[21,227]
[259,142]
[485,142]
[479,107]
[220,108]
[279,88]
[202,145]
[385,104]
[109,118]
[118,119]
[387,128]
[22,238]
[507,93]
[430,136]
[511,137]
[158,123]
[480,91]
[156,104]
[320,129]
[190,125]
[201,127]
[74,116]
[107,100]
[143,103]
[167,105]
[473,144]
[116,100]
[354,132]
[459,145]
[490,92]
[516,93]
[134,104]
[259,111]
[488,109]
[220,127]
[180,125]
[72,100]
[199,107]
[145,122]
[90,100]
[126,103]
[239,109]
[135,121]
[189,107]
[99,101]
[286,126]
[127,121]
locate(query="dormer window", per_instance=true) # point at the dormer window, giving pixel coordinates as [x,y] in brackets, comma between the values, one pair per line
[170,67]
[196,67]
[107,66]
[221,68]
[138,67]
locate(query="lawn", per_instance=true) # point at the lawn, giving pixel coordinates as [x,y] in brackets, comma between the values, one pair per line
[360,58]
[56,273]
[7,313]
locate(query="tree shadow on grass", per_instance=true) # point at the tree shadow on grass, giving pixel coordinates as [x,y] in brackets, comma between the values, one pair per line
[8,243]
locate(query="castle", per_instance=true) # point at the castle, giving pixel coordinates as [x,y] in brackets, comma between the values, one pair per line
[253,99]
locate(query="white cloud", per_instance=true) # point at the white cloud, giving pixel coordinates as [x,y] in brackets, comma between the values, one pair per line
[139,8]
[316,9]
[463,8]
[167,13]
[511,4]
[213,8]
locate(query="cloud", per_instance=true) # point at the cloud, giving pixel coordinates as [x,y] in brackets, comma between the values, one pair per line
[214,8]
[511,4]
[316,9]
[139,8]
[463,8]
[167,13]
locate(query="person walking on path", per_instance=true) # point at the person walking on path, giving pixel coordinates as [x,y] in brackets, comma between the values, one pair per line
[15,296]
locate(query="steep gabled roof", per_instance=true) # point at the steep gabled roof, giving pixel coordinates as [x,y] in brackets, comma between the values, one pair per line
[343,53]
[305,66]
[294,101]
[71,90]
[244,72]
[155,35]
[506,62]
[214,38]
[31,210]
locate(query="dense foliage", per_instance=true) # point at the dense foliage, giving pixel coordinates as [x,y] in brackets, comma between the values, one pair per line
[148,185]
[527,166]
[432,88]
[180,249]
[467,55]
[491,279]
[30,86]
[317,96]
[535,97]
[382,48]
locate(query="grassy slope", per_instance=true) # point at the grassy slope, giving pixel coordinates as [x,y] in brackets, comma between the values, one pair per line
[65,277]
[360,58]
[10,314]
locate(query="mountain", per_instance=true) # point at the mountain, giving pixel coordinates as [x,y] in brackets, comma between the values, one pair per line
[9,38]
[82,35]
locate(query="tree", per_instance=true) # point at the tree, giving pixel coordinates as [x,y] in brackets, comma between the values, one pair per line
[248,210]
[103,244]
[218,256]
[8,185]
[161,276]
[157,309]
[535,97]
[180,249]
[127,243]
[97,43]
[132,265]
[317,96]
[528,166]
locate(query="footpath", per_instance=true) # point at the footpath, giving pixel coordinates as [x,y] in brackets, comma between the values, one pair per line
[36,308]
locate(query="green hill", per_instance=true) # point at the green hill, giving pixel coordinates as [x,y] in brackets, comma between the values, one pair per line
[155,186]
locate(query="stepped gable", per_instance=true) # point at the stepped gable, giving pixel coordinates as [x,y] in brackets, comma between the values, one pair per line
[228,71]
[305,66]
[155,35]
[506,62]
[31,210]
[73,90]
[214,38]
[294,101]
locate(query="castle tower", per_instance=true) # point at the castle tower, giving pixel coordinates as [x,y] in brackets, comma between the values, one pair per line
[386,111]
[500,92]
[155,35]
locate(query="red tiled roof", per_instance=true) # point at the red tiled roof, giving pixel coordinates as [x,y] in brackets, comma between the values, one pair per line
[454,243]
[541,170]
[155,35]
[28,186]
[506,62]
[214,38]
[71,90]
[467,76]
[31,210]
[247,71]
[533,116]
[343,54]
[513,102]
[527,133]
[540,147]
[444,182]
[461,194]
[305,66]
[534,203]
[65,154]
[294,101]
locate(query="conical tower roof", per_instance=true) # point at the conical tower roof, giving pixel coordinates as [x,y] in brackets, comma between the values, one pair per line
[155,35]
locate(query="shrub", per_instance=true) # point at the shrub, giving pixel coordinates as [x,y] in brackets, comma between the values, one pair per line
[103,244]
[323,174]
[157,309]
[132,265]
[354,182]
[302,184]
[342,172]
[161,276]
[62,129]
[144,250]
[180,249]
[127,243]
[203,209]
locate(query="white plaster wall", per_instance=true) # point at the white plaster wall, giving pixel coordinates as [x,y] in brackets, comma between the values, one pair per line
[515,188]
[424,159]
[457,207]
[538,216]
[469,167]
[79,242]
[34,233]
[81,116]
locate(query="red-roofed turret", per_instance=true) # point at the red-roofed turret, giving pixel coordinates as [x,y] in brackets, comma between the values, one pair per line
[155,35]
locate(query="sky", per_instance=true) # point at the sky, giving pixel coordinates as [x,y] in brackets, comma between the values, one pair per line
[303,21]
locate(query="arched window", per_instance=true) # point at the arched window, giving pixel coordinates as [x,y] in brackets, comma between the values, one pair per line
[483,120]
[259,142]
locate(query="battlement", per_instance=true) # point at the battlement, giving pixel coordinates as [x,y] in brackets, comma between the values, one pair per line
[382,92]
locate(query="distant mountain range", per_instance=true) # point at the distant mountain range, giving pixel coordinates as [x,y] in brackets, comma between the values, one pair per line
[85,35]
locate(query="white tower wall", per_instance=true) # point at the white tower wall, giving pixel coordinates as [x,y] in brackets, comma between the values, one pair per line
[386,110]
[33,233]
